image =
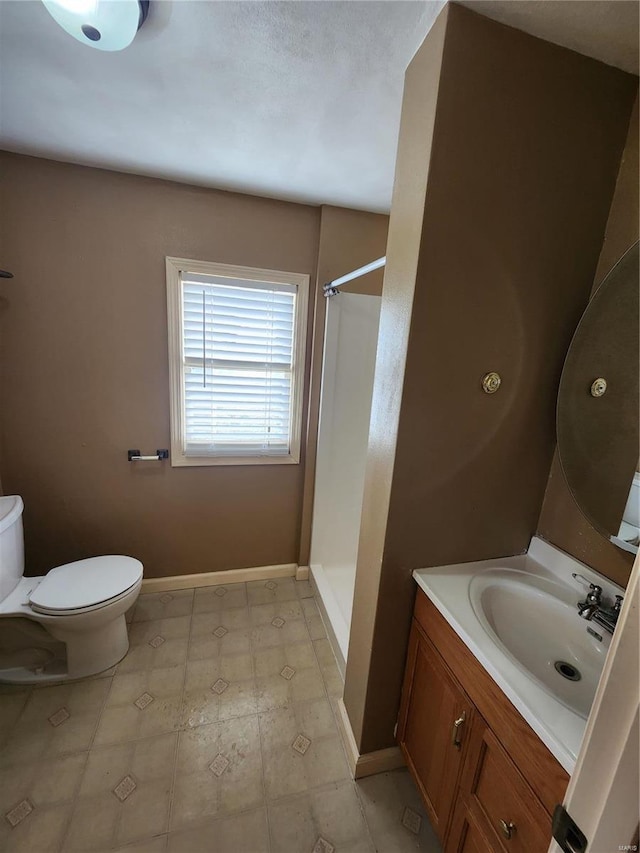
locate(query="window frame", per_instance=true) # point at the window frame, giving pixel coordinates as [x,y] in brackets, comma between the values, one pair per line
[175,267]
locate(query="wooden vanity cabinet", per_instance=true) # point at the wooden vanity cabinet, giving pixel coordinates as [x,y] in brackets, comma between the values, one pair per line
[433,729]
[474,837]
[495,802]
[488,782]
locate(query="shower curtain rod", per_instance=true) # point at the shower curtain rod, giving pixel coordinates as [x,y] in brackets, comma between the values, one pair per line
[331,288]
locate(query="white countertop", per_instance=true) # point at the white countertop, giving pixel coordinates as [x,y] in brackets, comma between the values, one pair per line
[559,728]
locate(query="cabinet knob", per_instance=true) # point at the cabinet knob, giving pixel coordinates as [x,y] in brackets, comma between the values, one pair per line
[507,828]
[456,732]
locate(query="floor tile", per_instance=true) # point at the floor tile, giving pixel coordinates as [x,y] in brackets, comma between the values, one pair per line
[42,784]
[35,738]
[316,628]
[304,589]
[170,652]
[200,793]
[195,798]
[158,694]
[80,697]
[277,589]
[150,845]
[131,784]
[263,614]
[270,661]
[15,785]
[145,812]
[324,652]
[11,707]
[93,825]
[309,608]
[301,680]
[384,798]
[202,674]
[275,691]
[210,644]
[243,833]
[201,706]
[42,830]
[217,598]
[316,719]
[173,628]
[162,605]
[117,725]
[148,758]
[126,688]
[333,814]
[233,619]
[292,631]
[333,680]
[286,771]
[146,761]
[57,780]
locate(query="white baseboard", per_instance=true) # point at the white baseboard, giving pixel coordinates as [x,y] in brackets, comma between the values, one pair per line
[368,763]
[258,573]
[302,573]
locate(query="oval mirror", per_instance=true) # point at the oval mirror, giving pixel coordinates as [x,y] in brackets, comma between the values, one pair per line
[598,407]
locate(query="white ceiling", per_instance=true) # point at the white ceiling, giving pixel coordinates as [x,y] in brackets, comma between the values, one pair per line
[296,100]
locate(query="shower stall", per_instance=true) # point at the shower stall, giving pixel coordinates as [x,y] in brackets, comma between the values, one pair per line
[350,341]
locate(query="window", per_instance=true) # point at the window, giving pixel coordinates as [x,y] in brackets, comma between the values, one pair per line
[236,361]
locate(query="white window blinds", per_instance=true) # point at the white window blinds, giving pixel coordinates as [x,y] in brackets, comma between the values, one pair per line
[238,360]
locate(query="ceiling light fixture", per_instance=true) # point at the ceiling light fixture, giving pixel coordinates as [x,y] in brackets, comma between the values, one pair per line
[105,24]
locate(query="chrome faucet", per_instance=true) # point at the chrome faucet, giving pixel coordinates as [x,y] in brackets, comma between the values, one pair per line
[593,609]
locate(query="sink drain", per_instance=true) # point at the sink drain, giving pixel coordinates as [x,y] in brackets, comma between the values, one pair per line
[567,670]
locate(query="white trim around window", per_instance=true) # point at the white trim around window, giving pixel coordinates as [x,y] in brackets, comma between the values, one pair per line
[228,289]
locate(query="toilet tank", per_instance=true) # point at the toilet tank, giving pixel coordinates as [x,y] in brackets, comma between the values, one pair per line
[632,510]
[11,544]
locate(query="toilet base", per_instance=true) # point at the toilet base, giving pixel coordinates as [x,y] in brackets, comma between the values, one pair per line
[54,673]
[90,652]
[46,649]
[86,655]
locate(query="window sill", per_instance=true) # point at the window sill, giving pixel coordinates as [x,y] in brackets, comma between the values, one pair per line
[178,460]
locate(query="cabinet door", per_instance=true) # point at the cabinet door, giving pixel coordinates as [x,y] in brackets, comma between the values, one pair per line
[473,839]
[496,802]
[434,719]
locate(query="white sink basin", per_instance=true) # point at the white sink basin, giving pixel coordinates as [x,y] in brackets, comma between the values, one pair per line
[536,623]
[518,616]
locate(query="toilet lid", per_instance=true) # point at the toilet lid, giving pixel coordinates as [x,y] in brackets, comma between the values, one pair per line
[86,583]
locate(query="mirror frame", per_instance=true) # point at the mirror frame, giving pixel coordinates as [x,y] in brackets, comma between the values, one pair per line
[587,415]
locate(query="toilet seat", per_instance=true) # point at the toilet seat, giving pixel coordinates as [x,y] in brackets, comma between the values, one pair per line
[85,585]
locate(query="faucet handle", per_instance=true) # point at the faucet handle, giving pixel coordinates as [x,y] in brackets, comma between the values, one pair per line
[594,596]
[618,603]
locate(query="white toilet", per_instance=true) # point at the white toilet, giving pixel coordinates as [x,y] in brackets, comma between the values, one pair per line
[69,623]
[630,524]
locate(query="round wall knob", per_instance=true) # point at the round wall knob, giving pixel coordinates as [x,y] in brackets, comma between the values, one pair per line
[598,387]
[491,382]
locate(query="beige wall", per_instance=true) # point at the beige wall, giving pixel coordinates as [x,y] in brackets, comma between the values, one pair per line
[349,239]
[84,376]
[561,521]
[526,147]
[403,250]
